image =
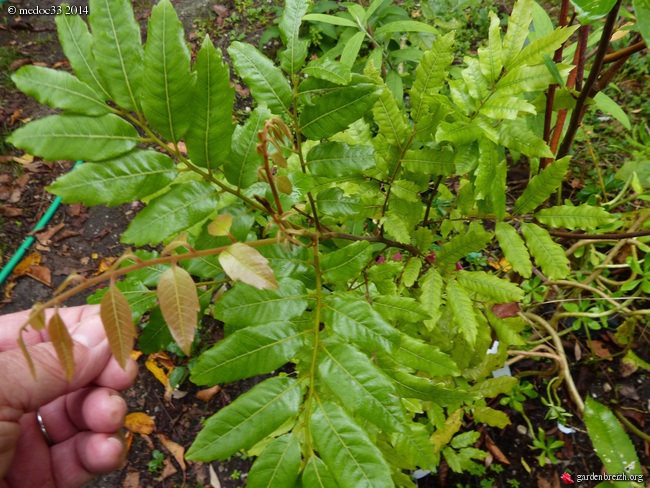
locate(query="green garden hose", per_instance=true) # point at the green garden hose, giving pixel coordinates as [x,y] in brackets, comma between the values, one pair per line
[20,252]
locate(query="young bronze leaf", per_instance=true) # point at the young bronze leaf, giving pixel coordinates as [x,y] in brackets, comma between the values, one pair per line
[118,322]
[179,303]
[63,344]
[244,263]
[37,317]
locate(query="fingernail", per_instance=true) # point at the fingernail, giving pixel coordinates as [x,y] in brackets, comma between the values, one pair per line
[90,332]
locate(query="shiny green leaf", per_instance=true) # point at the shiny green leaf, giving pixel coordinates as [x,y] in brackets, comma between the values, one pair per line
[265,80]
[462,310]
[542,186]
[247,420]
[127,178]
[421,356]
[167,94]
[185,205]
[352,458]
[75,137]
[278,465]
[248,352]
[548,254]
[490,286]
[335,111]
[514,249]
[117,50]
[581,217]
[59,89]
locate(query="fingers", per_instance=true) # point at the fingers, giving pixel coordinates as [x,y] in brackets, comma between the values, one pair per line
[76,461]
[23,393]
[12,323]
[100,410]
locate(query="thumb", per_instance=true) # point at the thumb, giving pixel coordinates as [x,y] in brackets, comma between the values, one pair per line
[22,392]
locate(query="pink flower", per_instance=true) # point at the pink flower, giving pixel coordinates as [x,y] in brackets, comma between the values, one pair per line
[398,256]
[381,259]
[459,266]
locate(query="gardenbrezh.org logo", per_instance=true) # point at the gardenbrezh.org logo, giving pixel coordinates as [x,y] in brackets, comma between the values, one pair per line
[579,478]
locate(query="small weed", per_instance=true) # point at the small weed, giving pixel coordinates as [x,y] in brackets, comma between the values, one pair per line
[155,465]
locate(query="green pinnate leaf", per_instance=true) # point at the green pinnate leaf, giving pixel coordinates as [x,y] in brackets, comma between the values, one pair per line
[117,50]
[506,107]
[240,168]
[411,386]
[334,111]
[265,80]
[179,303]
[248,352]
[247,420]
[515,135]
[185,205]
[278,465]
[244,305]
[168,93]
[208,139]
[402,309]
[329,70]
[430,74]
[126,178]
[346,263]
[59,89]
[77,45]
[548,255]
[460,132]
[75,137]
[642,11]
[429,161]
[591,10]
[421,356]
[415,444]
[317,475]
[514,249]
[430,298]
[581,217]
[351,49]
[460,246]
[293,56]
[542,186]
[489,286]
[611,442]
[352,458]
[547,45]
[491,174]
[363,389]
[518,24]
[494,386]
[244,263]
[355,319]
[462,310]
[491,417]
[391,121]
[491,57]
[338,159]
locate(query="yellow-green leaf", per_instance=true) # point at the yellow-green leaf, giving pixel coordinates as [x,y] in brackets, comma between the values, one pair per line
[63,344]
[179,303]
[118,323]
[243,263]
[220,226]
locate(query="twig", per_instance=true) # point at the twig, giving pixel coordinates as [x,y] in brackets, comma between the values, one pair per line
[533,319]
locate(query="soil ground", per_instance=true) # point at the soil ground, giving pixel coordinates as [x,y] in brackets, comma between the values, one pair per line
[81,239]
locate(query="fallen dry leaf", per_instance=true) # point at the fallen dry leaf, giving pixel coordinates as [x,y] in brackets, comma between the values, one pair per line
[168,470]
[135,354]
[104,265]
[505,310]
[131,480]
[175,449]
[74,209]
[15,117]
[19,63]
[214,479]
[22,180]
[495,451]
[552,482]
[7,211]
[139,423]
[22,268]
[601,350]
[41,273]
[25,159]
[59,64]
[45,236]
[207,394]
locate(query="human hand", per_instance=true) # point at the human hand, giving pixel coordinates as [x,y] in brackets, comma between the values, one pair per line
[82,417]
